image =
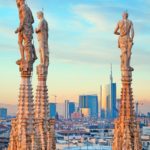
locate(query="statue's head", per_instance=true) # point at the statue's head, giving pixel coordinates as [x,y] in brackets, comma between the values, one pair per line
[125,15]
[40,14]
[20,2]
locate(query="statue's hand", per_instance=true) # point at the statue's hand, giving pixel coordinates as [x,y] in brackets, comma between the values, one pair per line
[37,30]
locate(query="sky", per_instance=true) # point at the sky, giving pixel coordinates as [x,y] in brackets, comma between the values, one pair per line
[82,47]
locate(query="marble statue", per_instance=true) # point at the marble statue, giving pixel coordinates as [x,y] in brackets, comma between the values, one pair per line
[126,133]
[25,33]
[125,31]
[42,35]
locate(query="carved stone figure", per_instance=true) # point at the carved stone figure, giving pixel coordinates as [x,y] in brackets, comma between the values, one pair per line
[25,32]
[126,133]
[42,35]
[125,31]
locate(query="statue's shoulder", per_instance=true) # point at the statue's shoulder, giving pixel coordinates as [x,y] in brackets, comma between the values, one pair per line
[120,22]
[44,21]
[130,21]
[23,7]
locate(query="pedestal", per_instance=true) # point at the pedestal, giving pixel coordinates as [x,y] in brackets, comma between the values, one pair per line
[22,135]
[44,128]
[127,133]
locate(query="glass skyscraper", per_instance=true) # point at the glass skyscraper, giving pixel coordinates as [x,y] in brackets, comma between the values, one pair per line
[69,109]
[91,102]
[3,113]
[52,110]
[108,108]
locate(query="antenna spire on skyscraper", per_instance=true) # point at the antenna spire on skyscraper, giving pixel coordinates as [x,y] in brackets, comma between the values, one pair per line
[111,76]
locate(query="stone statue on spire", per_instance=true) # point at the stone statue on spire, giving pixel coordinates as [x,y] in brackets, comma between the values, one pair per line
[126,133]
[42,35]
[125,31]
[25,33]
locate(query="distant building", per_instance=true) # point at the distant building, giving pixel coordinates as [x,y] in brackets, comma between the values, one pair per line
[3,113]
[52,110]
[91,102]
[69,109]
[76,115]
[108,100]
[61,109]
[146,131]
[85,112]
[66,109]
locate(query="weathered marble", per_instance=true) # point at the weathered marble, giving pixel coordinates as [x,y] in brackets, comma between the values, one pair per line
[127,133]
[44,127]
[25,33]
[22,136]
[31,129]
[42,36]
[125,31]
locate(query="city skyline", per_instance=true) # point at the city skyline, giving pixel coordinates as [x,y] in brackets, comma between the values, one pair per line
[82,46]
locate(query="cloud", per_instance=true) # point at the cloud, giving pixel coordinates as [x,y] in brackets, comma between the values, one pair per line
[92,16]
[7,3]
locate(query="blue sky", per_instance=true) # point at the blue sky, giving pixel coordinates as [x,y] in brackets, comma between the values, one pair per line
[82,46]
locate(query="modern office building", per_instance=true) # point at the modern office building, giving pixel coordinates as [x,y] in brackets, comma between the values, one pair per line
[91,102]
[52,110]
[69,109]
[3,113]
[66,109]
[60,109]
[108,108]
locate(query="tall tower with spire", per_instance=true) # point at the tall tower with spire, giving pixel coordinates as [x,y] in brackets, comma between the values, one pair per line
[111,74]
[108,99]
[113,94]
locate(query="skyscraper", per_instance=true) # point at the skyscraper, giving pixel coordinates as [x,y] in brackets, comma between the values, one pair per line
[108,100]
[69,109]
[66,109]
[3,113]
[91,102]
[52,110]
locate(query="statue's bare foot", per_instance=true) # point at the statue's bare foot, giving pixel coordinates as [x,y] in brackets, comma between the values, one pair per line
[18,62]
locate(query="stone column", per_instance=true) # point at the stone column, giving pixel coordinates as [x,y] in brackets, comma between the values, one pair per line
[22,132]
[126,134]
[43,127]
